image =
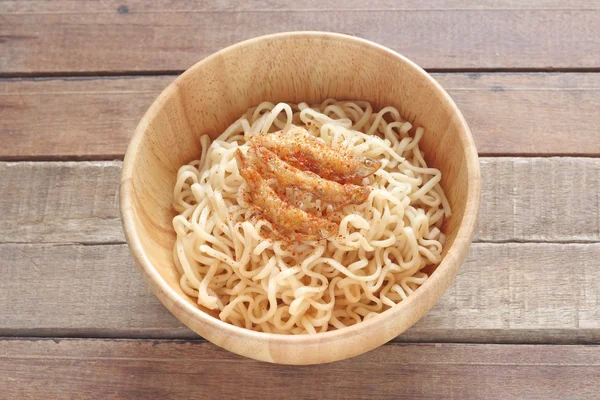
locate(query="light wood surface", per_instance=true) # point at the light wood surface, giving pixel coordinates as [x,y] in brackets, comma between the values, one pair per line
[118,36]
[507,292]
[62,127]
[72,6]
[77,202]
[172,370]
[522,113]
[523,199]
[210,96]
[54,202]
[532,108]
[540,199]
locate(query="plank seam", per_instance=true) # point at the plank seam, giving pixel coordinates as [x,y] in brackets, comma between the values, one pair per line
[200,340]
[175,72]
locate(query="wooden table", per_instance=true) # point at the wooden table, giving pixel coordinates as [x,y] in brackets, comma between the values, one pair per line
[522,319]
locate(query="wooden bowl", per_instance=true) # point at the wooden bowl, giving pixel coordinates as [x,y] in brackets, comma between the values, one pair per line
[292,67]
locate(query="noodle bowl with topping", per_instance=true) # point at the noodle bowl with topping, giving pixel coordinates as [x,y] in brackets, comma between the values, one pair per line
[301,219]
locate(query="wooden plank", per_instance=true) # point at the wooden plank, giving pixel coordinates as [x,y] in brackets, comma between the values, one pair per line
[60,202]
[172,370]
[520,293]
[91,118]
[78,6]
[525,114]
[539,199]
[523,199]
[117,38]
[78,290]
[529,114]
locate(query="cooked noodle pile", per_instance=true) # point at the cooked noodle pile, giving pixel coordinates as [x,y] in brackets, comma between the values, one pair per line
[231,259]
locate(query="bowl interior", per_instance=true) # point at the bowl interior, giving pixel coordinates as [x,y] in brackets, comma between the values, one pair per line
[293,67]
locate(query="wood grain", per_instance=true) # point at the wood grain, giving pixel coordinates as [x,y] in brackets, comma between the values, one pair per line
[171,370]
[529,114]
[91,118]
[72,290]
[520,293]
[60,202]
[117,36]
[523,199]
[540,199]
[506,292]
[78,6]
[94,118]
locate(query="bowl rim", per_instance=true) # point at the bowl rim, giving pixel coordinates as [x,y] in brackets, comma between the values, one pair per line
[466,228]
